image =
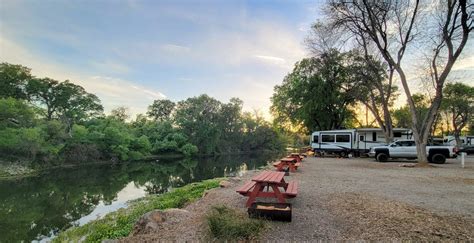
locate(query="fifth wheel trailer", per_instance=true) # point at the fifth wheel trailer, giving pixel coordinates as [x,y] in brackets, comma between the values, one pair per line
[355,141]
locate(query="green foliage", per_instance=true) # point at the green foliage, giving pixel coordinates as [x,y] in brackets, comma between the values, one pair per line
[26,142]
[67,125]
[160,110]
[120,223]
[402,116]
[459,104]
[228,224]
[316,94]
[13,79]
[15,113]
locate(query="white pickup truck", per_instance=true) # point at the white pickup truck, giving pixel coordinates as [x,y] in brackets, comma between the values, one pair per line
[407,149]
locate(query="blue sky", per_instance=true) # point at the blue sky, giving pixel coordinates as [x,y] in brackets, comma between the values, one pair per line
[131,52]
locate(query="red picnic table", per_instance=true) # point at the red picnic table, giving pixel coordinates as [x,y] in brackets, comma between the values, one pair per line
[291,163]
[296,156]
[269,179]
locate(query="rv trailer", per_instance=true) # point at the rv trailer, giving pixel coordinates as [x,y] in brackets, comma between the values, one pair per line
[355,141]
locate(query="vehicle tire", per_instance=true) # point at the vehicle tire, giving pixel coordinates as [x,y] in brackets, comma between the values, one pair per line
[438,159]
[382,157]
[343,154]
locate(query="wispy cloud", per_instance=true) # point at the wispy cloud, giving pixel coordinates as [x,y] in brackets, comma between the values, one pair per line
[113,92]
[173,48]
[271,59]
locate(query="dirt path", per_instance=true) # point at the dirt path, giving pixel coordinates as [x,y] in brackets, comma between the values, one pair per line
[355,199]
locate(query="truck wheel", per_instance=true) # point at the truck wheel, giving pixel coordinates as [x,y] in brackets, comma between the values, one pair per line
[382,157]
[438,159]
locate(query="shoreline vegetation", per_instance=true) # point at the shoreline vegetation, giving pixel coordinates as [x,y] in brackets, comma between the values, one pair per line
[46,123]
[120,223]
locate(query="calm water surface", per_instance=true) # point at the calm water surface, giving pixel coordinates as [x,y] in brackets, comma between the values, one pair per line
[38,207]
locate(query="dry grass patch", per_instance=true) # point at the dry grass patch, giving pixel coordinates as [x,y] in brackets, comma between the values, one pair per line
[372,218]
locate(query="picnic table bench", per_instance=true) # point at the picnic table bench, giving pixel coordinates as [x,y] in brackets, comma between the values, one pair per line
[291,163]
[266,180]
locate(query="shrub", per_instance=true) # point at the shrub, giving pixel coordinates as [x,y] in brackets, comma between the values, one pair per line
[228,224]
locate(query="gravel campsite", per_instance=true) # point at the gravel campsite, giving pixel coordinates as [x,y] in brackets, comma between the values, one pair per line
[349,199]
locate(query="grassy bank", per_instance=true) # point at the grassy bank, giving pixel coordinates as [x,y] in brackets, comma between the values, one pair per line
[120,223]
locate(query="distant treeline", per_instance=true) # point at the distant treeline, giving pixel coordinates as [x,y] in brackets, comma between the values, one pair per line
[52,122]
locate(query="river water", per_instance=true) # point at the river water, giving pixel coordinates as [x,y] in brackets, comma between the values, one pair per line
[37,208]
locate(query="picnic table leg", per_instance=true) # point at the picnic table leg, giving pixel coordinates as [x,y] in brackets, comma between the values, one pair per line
[278,194]
[253,195]
[292,167]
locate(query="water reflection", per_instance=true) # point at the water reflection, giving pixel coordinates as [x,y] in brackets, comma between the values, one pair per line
[43,205]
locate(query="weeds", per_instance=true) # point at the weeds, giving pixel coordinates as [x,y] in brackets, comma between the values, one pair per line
[228,224]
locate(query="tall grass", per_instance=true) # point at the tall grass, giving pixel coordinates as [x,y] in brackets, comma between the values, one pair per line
[228,224]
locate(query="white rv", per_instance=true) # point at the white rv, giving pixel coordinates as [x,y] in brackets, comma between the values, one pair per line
[465,140]
[356,141]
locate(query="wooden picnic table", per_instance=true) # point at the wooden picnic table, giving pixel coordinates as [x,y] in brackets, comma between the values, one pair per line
[288,162]
[266,180]
[296,156]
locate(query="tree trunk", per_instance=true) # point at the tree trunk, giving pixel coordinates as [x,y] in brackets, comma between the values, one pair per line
[421,152]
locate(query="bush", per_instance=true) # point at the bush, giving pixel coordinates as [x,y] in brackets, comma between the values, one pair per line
[228,224]
[188,149]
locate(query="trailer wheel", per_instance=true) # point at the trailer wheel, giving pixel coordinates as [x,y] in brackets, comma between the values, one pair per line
[438,159]
[343,154]
[382,157]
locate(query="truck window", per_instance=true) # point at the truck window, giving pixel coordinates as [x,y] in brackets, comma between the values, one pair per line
[397,134]
[315,139]
[327,138]
[343,138]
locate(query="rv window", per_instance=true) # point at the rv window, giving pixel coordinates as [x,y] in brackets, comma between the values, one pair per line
[315,139]
[374,136]
[397,134]
[327,138]
[361,138]
[343,138]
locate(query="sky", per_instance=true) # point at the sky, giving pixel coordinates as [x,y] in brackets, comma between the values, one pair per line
[130,53]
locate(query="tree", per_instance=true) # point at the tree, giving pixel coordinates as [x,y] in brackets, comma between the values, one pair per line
[63,100]
[392,27]
[374,89]
[13,79]
[15,113]
[120,113]
[161,110]
[198,118]
[316,94]
[44,92]
[459,102]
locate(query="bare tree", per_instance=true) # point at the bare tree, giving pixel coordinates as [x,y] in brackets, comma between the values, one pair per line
[393,25]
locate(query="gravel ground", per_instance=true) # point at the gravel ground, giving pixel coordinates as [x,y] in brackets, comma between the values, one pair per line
[356,199]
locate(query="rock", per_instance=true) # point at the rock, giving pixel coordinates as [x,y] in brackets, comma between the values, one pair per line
[159,220]
[224,184]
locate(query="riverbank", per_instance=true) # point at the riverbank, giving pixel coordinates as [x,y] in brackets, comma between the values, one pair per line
[120,223]
[352,199]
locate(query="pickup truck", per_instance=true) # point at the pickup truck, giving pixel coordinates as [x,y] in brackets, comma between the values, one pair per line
[407,149]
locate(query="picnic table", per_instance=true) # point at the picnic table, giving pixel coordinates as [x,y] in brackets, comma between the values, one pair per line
[297,156]
[288,162]
[266,180]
